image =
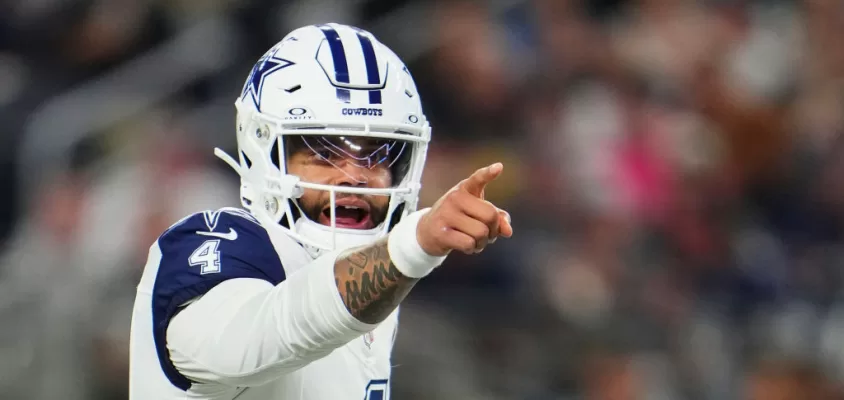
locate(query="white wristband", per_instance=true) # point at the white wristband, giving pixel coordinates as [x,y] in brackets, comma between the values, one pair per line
[406,253]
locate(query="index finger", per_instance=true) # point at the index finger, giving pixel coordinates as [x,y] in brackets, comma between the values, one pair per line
[476,183]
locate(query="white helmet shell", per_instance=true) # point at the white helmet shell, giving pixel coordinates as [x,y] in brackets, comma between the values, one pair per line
[327,80]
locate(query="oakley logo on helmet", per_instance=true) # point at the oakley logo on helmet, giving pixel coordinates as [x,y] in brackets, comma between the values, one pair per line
[298,113]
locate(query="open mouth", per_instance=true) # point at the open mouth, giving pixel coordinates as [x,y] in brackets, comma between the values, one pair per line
[350,213]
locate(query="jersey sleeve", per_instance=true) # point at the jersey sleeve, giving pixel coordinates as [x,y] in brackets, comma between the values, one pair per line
[246,323]
[198,254]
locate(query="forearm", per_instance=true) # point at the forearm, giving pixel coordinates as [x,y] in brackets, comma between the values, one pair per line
[369,283]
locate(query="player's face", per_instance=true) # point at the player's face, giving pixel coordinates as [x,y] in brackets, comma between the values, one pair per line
[342,161]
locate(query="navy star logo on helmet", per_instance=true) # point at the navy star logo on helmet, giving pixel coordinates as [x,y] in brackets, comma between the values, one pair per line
[267,65]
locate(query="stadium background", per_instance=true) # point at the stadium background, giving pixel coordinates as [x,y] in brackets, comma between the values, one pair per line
[674,170]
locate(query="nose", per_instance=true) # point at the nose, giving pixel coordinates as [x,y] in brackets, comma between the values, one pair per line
[351,174]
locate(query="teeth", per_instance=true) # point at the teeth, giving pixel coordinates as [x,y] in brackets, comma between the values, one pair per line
[351,207]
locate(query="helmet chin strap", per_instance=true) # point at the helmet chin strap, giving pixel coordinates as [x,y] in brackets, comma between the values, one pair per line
[313,235]
[336,238]
[342,238]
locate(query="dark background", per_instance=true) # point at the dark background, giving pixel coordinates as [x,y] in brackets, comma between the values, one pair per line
[673,168]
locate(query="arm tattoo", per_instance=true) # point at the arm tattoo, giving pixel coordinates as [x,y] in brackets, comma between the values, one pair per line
[370,285]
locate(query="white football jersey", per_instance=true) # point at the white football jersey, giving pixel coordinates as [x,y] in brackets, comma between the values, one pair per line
[223,311]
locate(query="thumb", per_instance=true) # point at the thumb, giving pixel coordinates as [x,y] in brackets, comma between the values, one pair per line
[476,183]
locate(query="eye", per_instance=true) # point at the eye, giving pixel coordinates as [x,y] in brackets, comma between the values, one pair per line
[322,155]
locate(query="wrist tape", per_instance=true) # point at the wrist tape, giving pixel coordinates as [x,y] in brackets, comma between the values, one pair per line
[406,253]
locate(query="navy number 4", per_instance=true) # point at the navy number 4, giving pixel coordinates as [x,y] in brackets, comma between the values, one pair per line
[377,390]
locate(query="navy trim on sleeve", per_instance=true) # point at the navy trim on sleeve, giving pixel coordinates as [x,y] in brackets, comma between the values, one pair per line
[190,267]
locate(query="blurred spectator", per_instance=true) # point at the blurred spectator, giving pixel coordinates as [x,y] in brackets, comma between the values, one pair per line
[673,169]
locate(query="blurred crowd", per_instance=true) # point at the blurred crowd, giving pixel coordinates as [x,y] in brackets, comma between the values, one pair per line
[674,170]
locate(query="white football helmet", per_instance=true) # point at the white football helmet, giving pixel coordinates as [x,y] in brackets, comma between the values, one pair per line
[331,89]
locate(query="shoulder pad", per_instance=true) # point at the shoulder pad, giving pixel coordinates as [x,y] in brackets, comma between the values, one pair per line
[197,254]
[219,245]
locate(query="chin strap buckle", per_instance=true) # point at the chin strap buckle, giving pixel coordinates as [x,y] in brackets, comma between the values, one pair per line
[287,187]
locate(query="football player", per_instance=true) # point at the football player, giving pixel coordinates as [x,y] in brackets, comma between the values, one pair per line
[296,297]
